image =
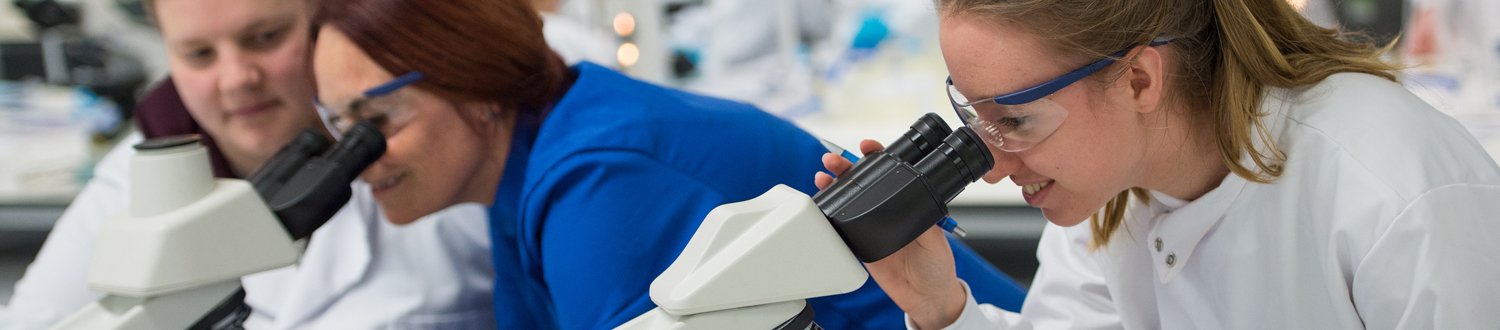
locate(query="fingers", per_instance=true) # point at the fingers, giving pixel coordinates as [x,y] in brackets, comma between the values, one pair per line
[836,164]
[870,146]
[822,180]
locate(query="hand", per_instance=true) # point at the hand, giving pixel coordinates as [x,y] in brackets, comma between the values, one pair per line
[920,277]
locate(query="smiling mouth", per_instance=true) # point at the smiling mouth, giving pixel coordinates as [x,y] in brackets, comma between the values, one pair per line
[1035,187]
[387,183]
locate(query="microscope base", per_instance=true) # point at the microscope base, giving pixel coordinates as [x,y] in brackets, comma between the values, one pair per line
[790,315]
[176,310]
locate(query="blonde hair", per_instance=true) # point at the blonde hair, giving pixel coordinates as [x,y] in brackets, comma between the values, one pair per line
[1230,52]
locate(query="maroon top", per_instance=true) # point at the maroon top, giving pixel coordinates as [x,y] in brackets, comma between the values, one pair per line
[161,113]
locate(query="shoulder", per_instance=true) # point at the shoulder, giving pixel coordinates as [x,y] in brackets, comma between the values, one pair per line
[603,103]
[606,116]
[1362,123]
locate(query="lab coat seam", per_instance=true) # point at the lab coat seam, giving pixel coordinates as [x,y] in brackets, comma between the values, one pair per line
[1384,232]
[1344,153]
[1389,220]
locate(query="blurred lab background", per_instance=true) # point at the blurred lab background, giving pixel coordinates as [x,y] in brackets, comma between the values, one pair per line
[845,70]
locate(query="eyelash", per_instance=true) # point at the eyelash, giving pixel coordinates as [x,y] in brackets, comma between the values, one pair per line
[199,56]
[266,38]
[378,119]
[1011,122]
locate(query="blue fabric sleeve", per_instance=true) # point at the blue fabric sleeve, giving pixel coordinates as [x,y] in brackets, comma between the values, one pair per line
[989,285]
[606,225]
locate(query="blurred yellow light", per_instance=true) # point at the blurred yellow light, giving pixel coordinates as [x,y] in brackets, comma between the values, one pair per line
[628,54]
[624,24]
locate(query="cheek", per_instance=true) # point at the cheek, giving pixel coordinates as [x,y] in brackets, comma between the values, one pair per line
[290,70]
[1093,157]
[440,155]
[196,89]
[1101,145]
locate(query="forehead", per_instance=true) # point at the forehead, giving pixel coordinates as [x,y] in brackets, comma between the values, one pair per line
[987,58]
[343,70]
[205,20]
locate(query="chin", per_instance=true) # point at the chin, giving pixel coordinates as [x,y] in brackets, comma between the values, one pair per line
[1065,218]
[398,218]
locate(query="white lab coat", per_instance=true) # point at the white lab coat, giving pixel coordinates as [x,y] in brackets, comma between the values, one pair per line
[358,272]
[1386,217]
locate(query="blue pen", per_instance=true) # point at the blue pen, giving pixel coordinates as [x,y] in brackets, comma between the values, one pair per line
[948,224]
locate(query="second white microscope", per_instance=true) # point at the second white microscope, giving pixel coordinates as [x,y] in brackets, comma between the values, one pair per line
[753,264]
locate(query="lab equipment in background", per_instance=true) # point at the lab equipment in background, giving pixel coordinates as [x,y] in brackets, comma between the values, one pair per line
[1380,20]
[179,251]
[1454,48]
[755,51]
[752,264]
[640,24]
[880,64]
[63,56]
[47,133]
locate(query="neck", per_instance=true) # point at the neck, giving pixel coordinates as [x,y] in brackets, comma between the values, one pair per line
[491,170]
[1185,162]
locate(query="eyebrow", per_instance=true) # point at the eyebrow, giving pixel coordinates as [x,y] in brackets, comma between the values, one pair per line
[258,24]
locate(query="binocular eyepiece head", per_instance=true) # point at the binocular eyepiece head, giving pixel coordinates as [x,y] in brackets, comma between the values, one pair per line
[889,198]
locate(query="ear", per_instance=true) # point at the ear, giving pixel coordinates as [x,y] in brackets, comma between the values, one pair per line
[1145,77]
[486,118]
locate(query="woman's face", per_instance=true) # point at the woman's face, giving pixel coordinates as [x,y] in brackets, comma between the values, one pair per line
[438,152]
[1091,157]
[242,70]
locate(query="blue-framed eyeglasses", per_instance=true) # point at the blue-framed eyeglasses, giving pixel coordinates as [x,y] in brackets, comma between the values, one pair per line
[376,105]
[1018,121]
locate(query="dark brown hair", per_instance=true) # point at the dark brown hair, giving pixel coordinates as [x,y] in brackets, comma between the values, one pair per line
[469,50]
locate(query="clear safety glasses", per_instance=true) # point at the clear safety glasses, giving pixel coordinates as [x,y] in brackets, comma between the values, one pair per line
[380,105]
[1018,121]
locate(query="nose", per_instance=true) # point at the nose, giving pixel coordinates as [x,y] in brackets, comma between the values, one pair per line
[241,73]
[1006,163]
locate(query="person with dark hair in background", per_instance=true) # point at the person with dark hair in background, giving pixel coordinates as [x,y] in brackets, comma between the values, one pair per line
[594,181]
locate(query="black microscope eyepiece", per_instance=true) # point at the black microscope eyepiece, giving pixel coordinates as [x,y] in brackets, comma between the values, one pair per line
[960,160]
[308,180]
[361,146]
[886,200]
[923,137]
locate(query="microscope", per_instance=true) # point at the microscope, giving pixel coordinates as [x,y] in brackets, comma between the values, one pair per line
[753,264]
[174,259]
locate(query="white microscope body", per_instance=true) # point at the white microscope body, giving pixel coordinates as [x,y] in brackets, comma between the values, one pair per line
[182,246]
[752,264]
[174,259]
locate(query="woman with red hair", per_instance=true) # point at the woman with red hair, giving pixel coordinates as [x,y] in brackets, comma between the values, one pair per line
[594,181]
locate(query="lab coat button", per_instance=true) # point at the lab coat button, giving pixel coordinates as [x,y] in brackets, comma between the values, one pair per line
[1171,259]
[1158,245]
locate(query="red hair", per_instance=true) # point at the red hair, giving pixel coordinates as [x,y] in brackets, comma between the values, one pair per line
[469,50]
